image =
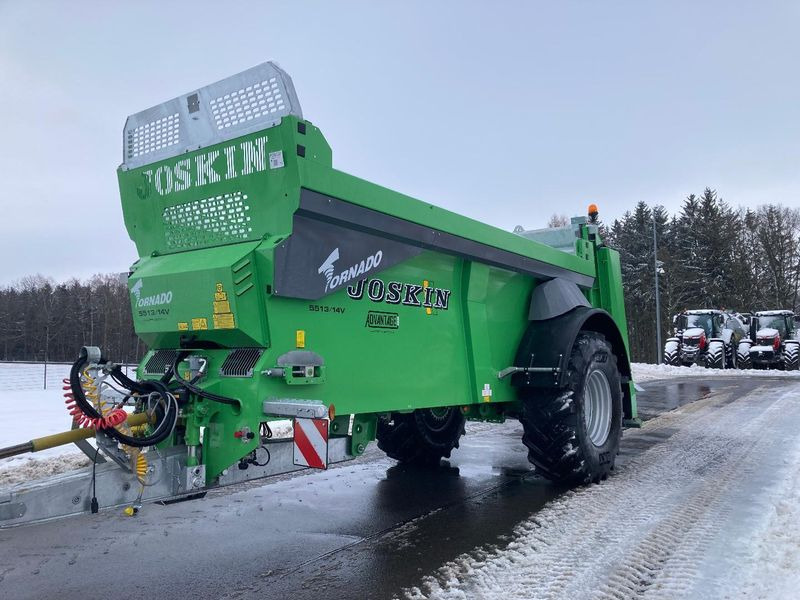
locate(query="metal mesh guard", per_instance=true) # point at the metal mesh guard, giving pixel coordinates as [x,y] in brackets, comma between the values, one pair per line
[253,100]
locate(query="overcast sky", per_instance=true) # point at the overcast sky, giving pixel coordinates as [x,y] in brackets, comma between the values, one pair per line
[502,111]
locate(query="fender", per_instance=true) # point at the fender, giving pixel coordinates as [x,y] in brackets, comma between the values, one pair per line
[548,343]
[727,334]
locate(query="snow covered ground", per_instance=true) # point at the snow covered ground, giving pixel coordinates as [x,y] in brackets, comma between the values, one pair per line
[27,410]
[711,510]
[648,372]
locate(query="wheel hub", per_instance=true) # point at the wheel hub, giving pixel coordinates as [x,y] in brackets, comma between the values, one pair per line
[436,418]
[597,407]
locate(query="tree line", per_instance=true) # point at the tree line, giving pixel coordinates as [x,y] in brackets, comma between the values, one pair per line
[44,320]
[710,255]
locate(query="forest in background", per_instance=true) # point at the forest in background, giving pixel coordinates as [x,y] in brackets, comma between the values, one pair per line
[710,255]
[41,319]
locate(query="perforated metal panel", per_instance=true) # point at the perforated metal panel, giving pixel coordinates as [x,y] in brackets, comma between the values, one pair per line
[215,220]
[153,136]
[245,104]
[253,100]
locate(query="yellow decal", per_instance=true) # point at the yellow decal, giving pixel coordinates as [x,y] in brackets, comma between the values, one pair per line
[200,323]
[224,321]
[425,285]
[221,307]
[300,338]
[223,316]
[183,326]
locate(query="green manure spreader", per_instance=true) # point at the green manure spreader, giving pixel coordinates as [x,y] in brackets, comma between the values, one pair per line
[272,287]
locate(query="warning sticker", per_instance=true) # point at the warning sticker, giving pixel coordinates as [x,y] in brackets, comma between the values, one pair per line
[276,159]
[183,326]
[200,323]
[221,306]
[224,321]
[486,392]
[223,316]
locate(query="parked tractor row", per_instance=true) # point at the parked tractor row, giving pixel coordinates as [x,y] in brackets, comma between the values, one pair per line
[720,339]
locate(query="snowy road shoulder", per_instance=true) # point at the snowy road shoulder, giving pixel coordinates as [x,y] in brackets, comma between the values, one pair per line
[772,562]
[698,515]
[648,372]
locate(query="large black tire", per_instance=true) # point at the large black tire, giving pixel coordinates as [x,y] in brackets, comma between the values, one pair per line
[715,356]
[791,357]
[555,421]
[672,357]
[730,356]
[743,356]
[421,437]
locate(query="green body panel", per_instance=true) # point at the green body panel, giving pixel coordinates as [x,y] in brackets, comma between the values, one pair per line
[207,226]
[191,281]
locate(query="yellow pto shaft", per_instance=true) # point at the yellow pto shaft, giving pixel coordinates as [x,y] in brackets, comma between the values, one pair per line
[65,437]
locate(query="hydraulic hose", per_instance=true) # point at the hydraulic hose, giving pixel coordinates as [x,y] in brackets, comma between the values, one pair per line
[196,390]
[165,419]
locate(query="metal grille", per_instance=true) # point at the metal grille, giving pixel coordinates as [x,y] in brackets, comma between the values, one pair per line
[160,361]
[152,136]
[248,103]
[240,362]
[214,220]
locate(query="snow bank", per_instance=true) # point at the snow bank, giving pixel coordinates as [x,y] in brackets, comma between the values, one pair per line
[30,469]
[26,413]
[647,372]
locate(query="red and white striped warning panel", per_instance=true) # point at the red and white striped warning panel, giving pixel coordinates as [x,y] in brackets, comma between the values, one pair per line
[311,443]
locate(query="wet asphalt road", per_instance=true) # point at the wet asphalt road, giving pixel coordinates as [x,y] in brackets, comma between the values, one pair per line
[365,529]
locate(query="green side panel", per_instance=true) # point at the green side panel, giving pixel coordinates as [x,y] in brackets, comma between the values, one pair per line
[240,190]
[210,293]
[608,287]
[609,278]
